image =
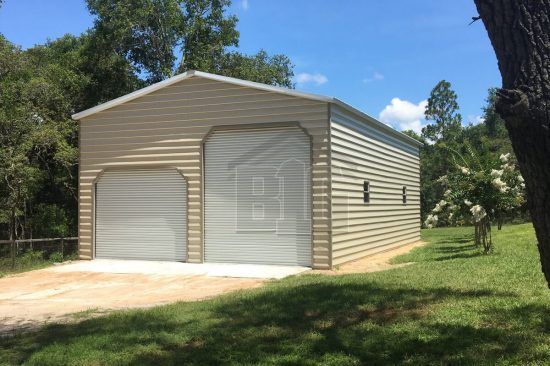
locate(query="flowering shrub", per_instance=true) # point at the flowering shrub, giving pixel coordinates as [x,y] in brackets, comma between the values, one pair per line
[478,192]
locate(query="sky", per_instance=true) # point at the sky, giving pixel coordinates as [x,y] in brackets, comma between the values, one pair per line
[382,57]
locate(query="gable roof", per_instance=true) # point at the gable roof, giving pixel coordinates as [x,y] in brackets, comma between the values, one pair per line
[250,84]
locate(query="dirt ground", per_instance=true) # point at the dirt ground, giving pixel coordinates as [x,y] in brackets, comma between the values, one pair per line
[31,299]
[374,263]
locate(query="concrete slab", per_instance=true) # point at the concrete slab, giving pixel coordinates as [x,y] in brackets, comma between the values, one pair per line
[177,268]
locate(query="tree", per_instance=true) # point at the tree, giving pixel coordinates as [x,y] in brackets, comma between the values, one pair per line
[144,32]
[489,138]
[153,34]
[207,33]
[18,124]
[444,132]
[442,109]
[85,73]
[262,68]
[519,31]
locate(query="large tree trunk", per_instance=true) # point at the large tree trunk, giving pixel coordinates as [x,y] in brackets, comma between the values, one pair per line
[520,33]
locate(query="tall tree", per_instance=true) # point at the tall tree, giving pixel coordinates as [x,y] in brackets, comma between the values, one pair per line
[442,109]
[519,31]
[154,35]
[145,32]
[262,68]
[19,124]
[207,32]
[444,132]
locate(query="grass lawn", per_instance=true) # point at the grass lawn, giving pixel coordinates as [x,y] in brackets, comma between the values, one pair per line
[29,261]
[453,306]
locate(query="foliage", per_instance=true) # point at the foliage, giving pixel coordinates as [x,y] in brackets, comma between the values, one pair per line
[479,192]
[145,32]
[445,131]
[208,33]
[261,68]
[19,125]
[155,34]
[50,221]
[442,109]
[28,261]
[428,312]
[487,140]
[34,259]
[56,257]
[490,137]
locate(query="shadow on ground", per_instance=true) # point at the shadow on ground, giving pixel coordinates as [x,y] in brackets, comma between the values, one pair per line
[487,310]
[322,321]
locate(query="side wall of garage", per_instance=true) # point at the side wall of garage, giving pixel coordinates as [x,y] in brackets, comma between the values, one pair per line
[363,152]
[166,128]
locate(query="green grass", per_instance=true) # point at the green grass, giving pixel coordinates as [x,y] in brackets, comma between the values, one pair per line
[28,261]
[453,306]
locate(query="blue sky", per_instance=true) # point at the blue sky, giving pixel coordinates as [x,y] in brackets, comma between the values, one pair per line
[382,57]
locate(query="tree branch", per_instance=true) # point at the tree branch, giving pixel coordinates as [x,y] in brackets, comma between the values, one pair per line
[474,19]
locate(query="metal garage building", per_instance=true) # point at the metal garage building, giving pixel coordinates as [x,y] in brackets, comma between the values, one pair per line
[206,168]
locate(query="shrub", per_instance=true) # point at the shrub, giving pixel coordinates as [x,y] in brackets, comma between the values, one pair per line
[478,192]
[56,257]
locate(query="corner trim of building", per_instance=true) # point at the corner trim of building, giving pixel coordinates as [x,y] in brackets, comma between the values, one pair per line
[329,193]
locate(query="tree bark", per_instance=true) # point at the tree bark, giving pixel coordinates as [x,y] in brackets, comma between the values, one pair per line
[13,237]
[519,31]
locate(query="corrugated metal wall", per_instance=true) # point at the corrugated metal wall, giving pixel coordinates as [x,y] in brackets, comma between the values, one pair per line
[166,128]
[360,152]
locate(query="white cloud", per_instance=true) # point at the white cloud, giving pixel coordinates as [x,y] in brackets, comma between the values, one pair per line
[475,120]
[244,4]
[404,115]
[317,79]
[376,76]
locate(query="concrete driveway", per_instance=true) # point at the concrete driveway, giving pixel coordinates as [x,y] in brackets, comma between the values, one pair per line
[56,293]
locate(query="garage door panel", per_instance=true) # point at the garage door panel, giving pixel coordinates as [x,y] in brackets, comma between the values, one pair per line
[257,197]
[141,214]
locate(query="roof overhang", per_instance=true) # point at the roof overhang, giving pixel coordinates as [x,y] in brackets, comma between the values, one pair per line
[245,83]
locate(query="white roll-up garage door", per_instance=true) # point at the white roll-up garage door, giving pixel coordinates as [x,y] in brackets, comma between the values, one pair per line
[258,197]
[141,214]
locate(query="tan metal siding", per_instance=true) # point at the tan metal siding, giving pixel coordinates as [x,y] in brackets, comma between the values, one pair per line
[361,152]
[167,128]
